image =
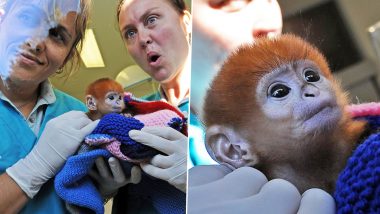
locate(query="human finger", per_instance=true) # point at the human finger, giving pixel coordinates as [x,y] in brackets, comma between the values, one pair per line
[316,201]
[102,167]
[135,175]
[151,140]
[164,132]
[162,161]
[87,129]
[117,170]
[276,196]
[154,171]
[241,183]
[203,174]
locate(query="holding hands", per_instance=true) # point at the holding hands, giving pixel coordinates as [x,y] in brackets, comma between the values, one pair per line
[246,189]
[60,139]
[110,177]
[170,166]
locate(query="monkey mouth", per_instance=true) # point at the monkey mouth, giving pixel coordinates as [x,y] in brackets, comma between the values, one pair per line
[324,117]
[117,109]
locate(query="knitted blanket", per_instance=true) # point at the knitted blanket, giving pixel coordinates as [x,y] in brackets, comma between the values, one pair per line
[111,138]
[358,185]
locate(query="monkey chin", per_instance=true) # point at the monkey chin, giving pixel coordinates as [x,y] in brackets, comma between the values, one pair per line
[324,121]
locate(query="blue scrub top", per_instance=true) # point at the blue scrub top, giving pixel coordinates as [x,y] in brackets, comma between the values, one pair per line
[17,140]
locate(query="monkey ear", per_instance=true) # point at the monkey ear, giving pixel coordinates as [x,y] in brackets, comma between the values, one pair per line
[91,103]
[225,145]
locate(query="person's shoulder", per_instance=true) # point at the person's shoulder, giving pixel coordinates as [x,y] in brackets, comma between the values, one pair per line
[69,100]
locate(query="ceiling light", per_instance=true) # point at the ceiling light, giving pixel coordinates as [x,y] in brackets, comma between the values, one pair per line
[132,75]
[90,53]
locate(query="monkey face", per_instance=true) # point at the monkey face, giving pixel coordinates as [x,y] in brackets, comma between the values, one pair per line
[298,98]
[113,103]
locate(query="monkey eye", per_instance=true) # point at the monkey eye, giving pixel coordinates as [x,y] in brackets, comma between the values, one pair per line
[111,97]
[279,91]
[311,75]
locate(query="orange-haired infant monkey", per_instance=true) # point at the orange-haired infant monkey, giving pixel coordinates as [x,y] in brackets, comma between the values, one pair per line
[275,106]
[105,96]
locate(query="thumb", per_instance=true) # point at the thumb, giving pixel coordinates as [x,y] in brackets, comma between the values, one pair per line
[87,129]
[164,132]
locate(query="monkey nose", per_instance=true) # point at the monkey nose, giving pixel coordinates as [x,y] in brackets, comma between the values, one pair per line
[309,95]
[310,92]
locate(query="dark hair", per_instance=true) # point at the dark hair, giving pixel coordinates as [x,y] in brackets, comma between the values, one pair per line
[178,5]
[80,28]
[81,23]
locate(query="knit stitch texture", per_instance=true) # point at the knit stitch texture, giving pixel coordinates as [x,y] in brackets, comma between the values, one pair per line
[358,185]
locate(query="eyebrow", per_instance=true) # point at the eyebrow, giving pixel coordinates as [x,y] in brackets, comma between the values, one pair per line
[141,19]
[62,29]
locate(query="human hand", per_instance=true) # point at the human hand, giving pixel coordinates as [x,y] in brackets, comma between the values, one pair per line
[59,140]
[246,189]
[110,182]
[170,167]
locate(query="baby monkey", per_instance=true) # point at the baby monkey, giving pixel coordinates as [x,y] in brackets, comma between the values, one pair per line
[105,96]
[275,106]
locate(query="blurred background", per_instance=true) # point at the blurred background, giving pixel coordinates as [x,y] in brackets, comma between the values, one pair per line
[346,32]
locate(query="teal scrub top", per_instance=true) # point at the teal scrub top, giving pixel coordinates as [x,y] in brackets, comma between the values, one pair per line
[17,140]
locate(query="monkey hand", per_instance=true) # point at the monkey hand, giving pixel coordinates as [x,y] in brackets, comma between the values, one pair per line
[59,140]
[215,189]
[170,166]
[110,179]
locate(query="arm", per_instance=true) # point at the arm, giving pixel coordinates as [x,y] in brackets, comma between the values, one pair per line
[58,141]
[12,198]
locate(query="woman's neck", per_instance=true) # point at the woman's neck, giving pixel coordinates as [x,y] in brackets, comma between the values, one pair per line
[178,88]
[24,97]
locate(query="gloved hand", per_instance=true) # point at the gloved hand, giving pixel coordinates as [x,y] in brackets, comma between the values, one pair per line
[246,189]
[110,182]
[59,140]
[172,166]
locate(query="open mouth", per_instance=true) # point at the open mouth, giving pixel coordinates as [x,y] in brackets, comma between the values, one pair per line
[152,58]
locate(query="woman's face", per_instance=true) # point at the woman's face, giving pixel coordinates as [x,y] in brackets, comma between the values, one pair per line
[34,55]
[156,37]
[229,23]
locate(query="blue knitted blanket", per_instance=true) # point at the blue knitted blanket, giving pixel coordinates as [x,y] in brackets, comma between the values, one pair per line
[358,186]
[74,185]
